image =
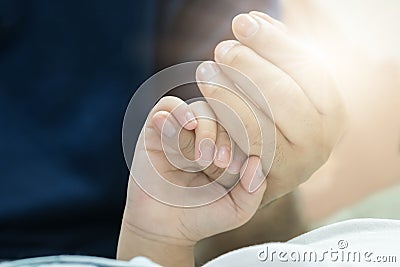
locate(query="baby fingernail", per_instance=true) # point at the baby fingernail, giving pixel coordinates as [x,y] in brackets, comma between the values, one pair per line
[223,155]
[245,25]
[207,71]
[235,166]
[190,120]
[257,180]
[206,152]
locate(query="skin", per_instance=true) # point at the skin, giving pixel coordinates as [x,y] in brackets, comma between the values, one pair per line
[279,221]
[307,127]
[273,45]
[366,157]
[308,112]
[182,228]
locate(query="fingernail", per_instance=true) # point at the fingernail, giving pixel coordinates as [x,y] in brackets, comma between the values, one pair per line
[206,152]
[223,155]
[191,121]
[245,25]
[166,128]
[235,166]
[223,48]
[261,17]
[207,71]
[257,180]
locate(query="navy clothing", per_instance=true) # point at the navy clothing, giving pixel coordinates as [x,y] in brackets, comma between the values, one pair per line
[67,72]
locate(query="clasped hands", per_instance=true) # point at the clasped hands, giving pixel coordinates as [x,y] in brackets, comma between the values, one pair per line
[307,118]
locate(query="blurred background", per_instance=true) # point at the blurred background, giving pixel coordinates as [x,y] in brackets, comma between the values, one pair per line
[361,179]
[69,68]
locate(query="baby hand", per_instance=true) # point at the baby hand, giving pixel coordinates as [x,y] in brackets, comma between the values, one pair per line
[175,165]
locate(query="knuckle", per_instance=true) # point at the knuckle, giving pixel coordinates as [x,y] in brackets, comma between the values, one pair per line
[187,144]
[213,172]
[255,137]
[223,138]
[219,95]
[207,134]
[256,143]
[199,104]
[164,100]
[172,102]
[170,98]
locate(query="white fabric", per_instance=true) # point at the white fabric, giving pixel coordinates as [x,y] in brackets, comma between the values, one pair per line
[361,242]
[142,262]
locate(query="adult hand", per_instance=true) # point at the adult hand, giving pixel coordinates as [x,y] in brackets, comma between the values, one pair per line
[307,109]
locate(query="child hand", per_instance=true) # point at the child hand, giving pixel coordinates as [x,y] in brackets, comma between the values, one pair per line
[177,145]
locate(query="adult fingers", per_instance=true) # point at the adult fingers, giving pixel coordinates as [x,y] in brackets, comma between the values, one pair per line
[233,111]
[290,106]
[305,64]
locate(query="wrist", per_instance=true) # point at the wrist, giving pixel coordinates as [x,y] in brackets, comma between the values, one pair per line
[164,251]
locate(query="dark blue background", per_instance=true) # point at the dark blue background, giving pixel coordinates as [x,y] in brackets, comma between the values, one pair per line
[67,72]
